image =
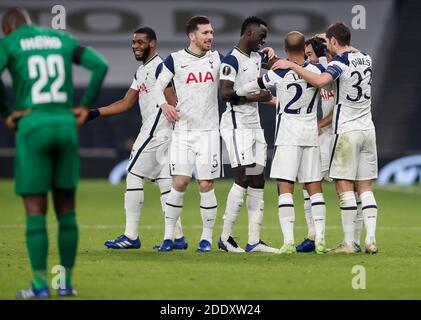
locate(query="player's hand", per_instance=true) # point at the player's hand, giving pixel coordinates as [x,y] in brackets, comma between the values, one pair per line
[81,113]
[269,52]
[14,117]
[282,64]
[322,36]
[272,102]
[319,128]
[262,96]
[170,112]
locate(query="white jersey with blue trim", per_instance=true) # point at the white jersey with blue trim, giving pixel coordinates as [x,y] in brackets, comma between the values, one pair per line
[153,121]
[297,101]
[241,68]
[195,80]
[352,74]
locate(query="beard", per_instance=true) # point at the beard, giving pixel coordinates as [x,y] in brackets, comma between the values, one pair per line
[144,56]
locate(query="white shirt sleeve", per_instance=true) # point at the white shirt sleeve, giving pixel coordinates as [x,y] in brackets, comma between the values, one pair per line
[161,83]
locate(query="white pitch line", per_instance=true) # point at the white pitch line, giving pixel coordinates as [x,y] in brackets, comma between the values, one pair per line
[156,227]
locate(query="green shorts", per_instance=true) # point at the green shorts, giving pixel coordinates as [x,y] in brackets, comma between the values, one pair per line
[47,153]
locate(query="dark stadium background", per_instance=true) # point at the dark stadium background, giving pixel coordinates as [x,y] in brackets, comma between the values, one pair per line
[392,36]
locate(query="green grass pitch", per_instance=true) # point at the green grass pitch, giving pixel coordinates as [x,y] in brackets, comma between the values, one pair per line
[394,273]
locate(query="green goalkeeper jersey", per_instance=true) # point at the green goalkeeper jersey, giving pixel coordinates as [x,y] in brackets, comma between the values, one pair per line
[40,63]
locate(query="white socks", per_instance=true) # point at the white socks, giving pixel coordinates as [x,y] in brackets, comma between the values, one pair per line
[173,208]
[358,220]
[309,218]
[133,203]
[165,188]
[286,217]
[255,206]
[318,211]
[208,210]
[232,210]
[369,208]
[348,206]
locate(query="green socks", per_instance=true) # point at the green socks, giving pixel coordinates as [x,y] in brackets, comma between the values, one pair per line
[37,245]
[67,242]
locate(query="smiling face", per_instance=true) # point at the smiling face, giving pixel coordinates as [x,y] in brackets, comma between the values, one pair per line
[202,38]
[309,52]
[257,37]
[142,46]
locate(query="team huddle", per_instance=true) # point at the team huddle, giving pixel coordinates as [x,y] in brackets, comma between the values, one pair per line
[341,146]
[181,135]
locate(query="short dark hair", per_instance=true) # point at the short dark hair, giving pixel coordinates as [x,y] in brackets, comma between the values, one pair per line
[193,22]
[341,33]
[150,33]
[250,21]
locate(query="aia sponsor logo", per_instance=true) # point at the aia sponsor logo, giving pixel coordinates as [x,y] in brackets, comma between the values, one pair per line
[199,77]
[142,88]
[326,95]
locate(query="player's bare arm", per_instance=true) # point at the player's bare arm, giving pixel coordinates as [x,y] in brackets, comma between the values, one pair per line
[122,105]
[326,121]
[228,94]
[317,80]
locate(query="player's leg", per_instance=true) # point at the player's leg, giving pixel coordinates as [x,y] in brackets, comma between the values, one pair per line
[32,182]
[343,169]
[308,244]
[359,221]
[65,177]
[310,174]
[37,245]
[173,208]
[318,212]
[208,211]
[369,209]
[207,146]
[286,214]
[234,203]
[255,210]
[235,199]
[181,159]
[164,186]
[133,204]
[367,171]
[348,207]
[284,168]
[68,236]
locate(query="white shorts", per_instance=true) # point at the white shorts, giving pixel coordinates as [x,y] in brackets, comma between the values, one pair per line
[149,157]
[354,156]
[196,150]
[292,162]
[326,145]
[245,146]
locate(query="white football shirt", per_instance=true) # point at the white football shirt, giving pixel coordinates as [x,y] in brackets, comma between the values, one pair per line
[195,80]
[296,106]
[241,68]
[153,121]
[352,73]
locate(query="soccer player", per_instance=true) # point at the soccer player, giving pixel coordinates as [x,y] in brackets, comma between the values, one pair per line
[316,52]
[195,142]
[149,157]
[47,158]
[297,153]
[354,157]
[243,135]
